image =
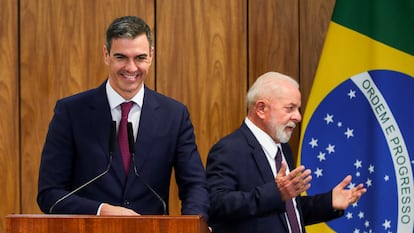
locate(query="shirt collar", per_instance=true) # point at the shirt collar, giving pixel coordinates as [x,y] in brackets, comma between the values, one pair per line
[267,143]
[115,99]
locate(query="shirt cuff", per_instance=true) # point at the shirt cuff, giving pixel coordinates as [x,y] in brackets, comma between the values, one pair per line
[99,210]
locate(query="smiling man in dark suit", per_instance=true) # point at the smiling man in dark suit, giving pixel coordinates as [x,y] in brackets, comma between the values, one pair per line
[76,146]
[253,184]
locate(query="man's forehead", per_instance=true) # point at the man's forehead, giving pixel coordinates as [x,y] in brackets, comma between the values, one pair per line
[130,47]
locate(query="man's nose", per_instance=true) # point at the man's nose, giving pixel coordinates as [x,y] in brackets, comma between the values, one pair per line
[131,66]
[297,117]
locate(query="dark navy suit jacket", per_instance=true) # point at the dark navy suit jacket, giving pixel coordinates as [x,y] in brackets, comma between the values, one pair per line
[244,197]
[76,150]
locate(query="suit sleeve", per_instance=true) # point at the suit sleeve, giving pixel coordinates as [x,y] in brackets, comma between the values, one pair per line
[189,171]
[318,208]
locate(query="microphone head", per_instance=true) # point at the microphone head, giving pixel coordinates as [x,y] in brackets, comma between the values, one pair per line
[131,140]
[112,137]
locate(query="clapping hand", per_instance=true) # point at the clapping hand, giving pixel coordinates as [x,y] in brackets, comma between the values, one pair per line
[292,184]
[342,198]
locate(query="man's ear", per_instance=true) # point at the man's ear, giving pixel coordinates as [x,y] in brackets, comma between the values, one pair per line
[106,55]
[151,55]
[260,108]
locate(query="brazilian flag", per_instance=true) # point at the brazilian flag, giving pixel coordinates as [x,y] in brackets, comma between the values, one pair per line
[359,119]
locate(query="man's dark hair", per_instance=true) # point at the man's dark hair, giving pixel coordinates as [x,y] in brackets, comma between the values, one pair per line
[127,27]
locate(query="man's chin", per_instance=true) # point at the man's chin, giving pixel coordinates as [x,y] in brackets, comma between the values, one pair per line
[285,137]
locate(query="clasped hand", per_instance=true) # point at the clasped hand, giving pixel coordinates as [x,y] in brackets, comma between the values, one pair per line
[108,209]
[293,184]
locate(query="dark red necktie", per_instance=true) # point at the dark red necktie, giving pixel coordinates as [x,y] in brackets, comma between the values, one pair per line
[123,135]
[290,208]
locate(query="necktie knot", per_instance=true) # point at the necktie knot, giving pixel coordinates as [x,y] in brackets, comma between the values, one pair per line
[125,108]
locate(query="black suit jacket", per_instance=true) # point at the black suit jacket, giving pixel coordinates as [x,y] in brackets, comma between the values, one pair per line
[76,150]
[244,197]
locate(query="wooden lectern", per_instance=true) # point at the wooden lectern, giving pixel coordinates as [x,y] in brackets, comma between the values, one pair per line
[42,223]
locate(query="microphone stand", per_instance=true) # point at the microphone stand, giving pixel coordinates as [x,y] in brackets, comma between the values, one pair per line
[112,136]
[132,151]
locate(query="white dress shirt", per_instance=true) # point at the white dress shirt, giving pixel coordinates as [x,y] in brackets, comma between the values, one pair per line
[115,101]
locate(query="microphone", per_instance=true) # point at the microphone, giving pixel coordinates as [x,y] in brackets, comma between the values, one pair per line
[131,145]
[112,137]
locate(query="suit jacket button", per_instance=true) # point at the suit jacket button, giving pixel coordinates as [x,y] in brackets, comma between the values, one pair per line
[126,203]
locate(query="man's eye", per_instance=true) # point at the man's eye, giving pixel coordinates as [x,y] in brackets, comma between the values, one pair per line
[141,58]
[290,108]
[119,57]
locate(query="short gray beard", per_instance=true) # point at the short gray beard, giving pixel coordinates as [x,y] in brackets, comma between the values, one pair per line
[281,134]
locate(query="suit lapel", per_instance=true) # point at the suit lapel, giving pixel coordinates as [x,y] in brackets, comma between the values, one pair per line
[262,162]
[258,154]
[100,121]
[146,130]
